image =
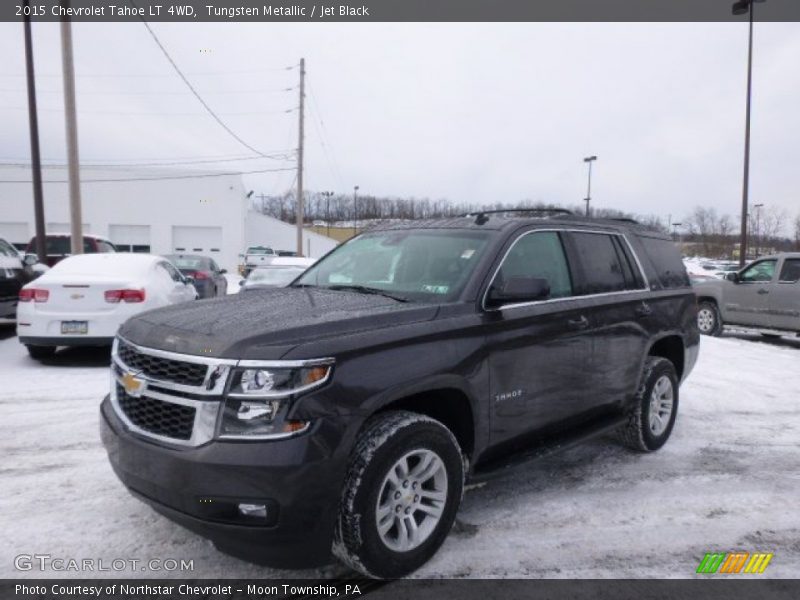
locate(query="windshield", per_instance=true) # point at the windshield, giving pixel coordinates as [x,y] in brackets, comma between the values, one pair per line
[259,250]
[188,263]
[421,265]
[278,276]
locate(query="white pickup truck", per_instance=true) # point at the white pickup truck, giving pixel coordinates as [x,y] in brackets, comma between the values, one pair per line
[255,256]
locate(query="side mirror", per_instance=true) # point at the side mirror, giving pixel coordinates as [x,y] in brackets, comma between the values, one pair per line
[30,259]
[733,276]
[520,289]
[223,271]
[241,282]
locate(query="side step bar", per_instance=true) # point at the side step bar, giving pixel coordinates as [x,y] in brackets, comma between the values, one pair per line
[504,465]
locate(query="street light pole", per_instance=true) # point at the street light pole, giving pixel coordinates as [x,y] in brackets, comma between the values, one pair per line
[328,212]
[588,199]
[739,8]
[355,210]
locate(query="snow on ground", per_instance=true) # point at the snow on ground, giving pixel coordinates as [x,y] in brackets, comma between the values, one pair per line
[727,480]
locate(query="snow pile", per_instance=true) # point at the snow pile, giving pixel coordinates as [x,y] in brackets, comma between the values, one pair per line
[728,479]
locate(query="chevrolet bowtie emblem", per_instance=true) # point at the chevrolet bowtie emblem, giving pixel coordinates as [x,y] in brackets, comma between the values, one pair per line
[133,386]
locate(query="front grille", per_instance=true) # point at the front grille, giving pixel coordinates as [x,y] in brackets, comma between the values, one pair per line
[156,416]
[165,369]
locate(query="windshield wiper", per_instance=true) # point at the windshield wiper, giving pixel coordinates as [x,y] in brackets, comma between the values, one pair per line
[362,289]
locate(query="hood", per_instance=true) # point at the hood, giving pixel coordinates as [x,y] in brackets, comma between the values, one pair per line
[265,324]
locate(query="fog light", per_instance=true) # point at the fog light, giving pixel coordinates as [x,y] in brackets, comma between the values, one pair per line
[253,510]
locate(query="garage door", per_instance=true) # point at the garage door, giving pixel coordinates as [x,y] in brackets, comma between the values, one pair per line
[130,238]
[197,240]
[16,234]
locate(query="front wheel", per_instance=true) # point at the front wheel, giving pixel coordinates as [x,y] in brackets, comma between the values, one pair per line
[655,407]
[708,319]
[401,493]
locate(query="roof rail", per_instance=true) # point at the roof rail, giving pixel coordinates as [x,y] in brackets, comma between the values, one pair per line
[622,220]
[481,215]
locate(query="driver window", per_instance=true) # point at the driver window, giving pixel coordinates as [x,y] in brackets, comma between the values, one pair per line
[538,255]
[762,271]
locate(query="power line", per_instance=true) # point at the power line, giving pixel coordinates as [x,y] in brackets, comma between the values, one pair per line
[189,85]
[161,93]
[156,114]
[282,156]
[159,178]
[333,165]
[150,76]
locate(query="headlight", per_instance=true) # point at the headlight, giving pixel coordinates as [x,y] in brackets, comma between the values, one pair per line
[259,398]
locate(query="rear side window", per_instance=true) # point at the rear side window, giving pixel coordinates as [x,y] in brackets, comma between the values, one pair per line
[666,259]
[790,273]
[606,265]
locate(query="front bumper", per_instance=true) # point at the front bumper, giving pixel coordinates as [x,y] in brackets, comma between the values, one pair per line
[299,479]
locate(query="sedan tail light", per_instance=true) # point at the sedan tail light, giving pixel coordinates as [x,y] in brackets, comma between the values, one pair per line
[200,275]
[28,294]
[115,296]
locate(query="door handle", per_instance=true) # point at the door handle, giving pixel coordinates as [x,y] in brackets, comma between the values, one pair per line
[581,323]
[644,310]
[762,291]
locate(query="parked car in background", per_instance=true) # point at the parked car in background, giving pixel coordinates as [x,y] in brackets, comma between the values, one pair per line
[15,271]
[764,296]
[256,256]
[344,413]
[208,279]
[84,299]
[279,273]
[59,245]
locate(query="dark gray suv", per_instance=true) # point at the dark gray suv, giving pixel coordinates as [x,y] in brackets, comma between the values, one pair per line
[342,415]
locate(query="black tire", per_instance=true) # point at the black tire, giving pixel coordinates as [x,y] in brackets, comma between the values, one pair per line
[637,433]
[386,439]
[41,352]
[709,321]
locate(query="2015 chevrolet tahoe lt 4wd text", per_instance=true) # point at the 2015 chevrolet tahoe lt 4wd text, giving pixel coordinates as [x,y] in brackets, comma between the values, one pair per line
[344,414]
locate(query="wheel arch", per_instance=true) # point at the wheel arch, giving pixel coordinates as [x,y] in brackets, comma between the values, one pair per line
[446,399]
[672,347]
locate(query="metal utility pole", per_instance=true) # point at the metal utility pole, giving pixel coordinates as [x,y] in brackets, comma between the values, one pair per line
[300,143]
[588,199]
[36,162]
[355,210]
[758,228]
[739,8]
[73,161]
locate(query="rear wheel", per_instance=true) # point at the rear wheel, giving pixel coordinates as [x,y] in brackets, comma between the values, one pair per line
[708,319]
[400,496]
[653,413]
[41,352]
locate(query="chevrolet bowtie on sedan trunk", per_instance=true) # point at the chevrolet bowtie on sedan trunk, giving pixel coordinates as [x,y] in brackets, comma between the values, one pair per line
[84,299]
[342,415]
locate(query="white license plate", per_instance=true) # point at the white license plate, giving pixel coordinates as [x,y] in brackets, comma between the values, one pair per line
[74,327]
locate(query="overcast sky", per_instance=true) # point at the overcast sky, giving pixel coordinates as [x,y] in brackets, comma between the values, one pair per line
[472,112]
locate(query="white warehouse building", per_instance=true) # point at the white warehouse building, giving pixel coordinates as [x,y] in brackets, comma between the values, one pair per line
[152,210]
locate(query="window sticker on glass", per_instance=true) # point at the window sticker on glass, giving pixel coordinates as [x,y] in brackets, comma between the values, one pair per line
[435,289]
[467,254]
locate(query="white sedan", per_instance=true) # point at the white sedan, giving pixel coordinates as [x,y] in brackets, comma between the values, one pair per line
[84,299]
